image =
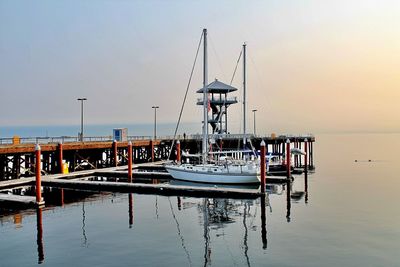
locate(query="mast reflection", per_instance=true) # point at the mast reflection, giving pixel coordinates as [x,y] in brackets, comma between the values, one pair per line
[39,238]
[84,237]
[246,210]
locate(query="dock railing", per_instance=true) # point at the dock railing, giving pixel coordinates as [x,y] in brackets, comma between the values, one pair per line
[70,139]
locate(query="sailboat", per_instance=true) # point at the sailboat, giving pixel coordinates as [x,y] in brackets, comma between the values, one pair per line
[224,170]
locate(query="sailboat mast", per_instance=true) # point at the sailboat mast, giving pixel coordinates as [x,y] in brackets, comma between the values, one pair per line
[244,94]
[205,101]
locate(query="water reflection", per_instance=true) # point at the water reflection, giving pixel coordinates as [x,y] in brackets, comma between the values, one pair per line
[214,217]
[288,201]
[217,213]
[245,244]
[179,233]
[61,197]
[306,186]
[39,238]
[179,203]
[84,237]
[130,211]
[263,223]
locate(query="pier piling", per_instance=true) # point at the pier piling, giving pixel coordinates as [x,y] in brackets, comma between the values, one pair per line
[178,151]
[306,155]
[130,159]
[38,175]
[60,158]
[115,153]
[288,158]
[262,163]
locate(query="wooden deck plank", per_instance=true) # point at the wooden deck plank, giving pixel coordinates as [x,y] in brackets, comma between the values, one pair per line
[16,182]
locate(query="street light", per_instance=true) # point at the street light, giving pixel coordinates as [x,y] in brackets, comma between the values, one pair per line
[254,118]
[155,121]
[81,134]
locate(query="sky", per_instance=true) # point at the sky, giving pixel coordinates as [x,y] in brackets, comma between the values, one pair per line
[312,66]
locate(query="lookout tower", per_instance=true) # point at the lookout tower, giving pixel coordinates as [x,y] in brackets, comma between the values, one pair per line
[218,103]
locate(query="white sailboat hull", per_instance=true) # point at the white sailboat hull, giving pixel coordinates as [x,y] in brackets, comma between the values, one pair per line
[216,174]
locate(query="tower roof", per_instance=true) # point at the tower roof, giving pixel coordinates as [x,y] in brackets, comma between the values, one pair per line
[218,87]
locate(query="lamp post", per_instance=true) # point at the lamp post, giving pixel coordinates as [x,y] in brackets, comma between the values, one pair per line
[81,134]
[254,118]
[155,121]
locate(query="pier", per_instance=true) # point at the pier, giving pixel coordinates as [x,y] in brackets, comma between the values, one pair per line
[17,159]
[76,164]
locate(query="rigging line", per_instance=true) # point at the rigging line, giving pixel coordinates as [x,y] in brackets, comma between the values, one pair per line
[228,248]
[184,99]
[179,233]
[237,63]
[216,56]
[261,83]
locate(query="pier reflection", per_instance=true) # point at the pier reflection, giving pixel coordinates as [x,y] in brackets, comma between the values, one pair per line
[130,212]
[39,238]
[306,187]
[288,200]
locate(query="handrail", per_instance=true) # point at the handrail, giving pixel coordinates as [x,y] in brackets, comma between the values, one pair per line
[70,139]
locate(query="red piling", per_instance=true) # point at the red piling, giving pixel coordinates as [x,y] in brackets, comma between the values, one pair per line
[262,164]
[306,155]
[178,151]
[60,157]
[130,160]
[38,175]
[288,158]
[115,153]
[152,150]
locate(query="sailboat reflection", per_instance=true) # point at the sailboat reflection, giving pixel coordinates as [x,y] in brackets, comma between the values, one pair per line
[179,233]
[39,238]
[217,213]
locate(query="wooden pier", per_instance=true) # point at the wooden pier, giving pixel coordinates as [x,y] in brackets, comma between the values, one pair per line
[18,160]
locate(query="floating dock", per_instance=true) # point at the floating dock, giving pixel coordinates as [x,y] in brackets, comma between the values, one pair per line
[15,200]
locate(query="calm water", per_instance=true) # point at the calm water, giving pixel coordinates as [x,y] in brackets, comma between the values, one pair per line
[351,217]
[97,130]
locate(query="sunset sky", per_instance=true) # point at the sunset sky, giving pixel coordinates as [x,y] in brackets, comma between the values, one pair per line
[313,66]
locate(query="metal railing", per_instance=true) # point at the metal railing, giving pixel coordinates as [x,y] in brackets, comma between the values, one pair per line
[70,139]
